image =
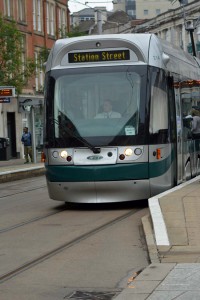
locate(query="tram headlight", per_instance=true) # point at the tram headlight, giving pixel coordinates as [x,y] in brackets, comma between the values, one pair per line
[128,152]
[64,154]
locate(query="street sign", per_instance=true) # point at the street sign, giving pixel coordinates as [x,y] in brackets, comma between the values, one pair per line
[7,91]
[31,102]
[25,102]
[5,100]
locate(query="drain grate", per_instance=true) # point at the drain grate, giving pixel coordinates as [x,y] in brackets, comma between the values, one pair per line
[84,295]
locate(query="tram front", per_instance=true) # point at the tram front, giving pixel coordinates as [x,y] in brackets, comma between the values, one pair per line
[96,129]
[96,135]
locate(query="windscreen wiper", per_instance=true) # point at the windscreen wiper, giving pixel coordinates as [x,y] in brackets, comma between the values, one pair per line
[94,149]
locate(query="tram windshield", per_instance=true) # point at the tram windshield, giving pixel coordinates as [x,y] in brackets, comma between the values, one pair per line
[103,106]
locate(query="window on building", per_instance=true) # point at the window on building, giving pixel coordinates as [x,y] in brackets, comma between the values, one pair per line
[37,15]
[131,12]
[39,74]
[21,10]
[8,8]
[62,22]
[146,12]
[50,18]
[158,11]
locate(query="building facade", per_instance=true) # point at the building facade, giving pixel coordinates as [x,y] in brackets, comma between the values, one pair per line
[89,14]
[177,26]
[85,14]
[144,9]
[41,22]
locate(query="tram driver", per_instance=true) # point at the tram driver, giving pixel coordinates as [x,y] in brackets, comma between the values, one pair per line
[108,113]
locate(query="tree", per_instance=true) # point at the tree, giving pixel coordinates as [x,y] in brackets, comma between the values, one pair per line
[15,68]
[43,56]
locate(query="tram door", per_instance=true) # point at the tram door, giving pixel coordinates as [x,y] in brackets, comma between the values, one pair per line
[179,128]
[189,152]
[190,93]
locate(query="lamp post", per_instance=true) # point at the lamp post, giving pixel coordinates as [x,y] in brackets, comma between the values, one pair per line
[189,26]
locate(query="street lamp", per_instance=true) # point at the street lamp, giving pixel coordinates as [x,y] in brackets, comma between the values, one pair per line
[189,26]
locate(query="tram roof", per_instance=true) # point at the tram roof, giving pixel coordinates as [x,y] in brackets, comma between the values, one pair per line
[150,49]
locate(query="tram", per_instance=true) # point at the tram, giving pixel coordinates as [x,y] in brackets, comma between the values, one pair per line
[117,118]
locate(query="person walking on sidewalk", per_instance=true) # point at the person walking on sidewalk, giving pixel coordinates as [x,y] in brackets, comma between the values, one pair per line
[196,128]
[26,140]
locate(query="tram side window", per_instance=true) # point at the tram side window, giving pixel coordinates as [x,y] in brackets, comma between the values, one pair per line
[158,124]
[158,111]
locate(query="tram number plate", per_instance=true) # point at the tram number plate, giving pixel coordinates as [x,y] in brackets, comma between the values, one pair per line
[87,157]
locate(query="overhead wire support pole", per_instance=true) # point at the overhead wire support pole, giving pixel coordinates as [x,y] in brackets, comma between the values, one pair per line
[99,22]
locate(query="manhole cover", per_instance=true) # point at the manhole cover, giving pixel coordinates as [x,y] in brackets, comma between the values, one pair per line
[83,295]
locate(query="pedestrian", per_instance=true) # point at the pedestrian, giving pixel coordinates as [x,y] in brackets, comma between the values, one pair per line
[196,128]
[26,140]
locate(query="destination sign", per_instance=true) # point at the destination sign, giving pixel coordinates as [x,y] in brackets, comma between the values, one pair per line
[95,56]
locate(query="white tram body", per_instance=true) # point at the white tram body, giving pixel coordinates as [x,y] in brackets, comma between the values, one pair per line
[145,146]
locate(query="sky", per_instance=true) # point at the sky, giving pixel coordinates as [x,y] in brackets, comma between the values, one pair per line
[76,5]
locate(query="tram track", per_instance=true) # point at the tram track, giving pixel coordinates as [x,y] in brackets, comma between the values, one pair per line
[27,222]
[29,264]
[25,191]
[13,192]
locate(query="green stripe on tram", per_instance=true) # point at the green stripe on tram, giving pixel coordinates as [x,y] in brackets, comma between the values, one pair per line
[97,173]
[135,171]
[158,168]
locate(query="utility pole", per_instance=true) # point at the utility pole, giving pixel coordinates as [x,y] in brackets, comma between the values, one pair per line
[99,21]
[33,135]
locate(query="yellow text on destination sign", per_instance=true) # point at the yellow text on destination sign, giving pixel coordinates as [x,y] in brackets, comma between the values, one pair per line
[85,57]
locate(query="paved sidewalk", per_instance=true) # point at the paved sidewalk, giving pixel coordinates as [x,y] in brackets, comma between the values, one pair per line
[172,231]
[15,169]
[177,224]
[165,281]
